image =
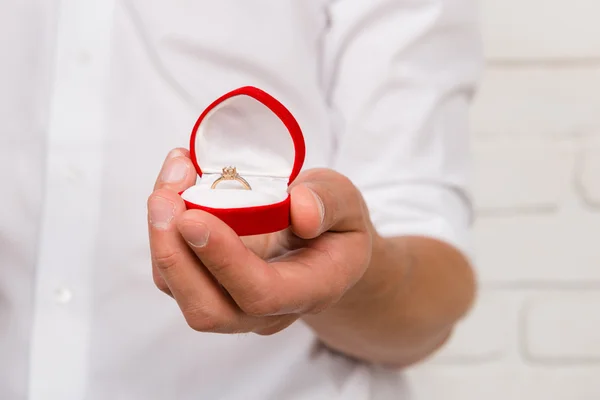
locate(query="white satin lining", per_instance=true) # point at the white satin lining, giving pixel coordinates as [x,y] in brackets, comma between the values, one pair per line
[244,133]
[230,194]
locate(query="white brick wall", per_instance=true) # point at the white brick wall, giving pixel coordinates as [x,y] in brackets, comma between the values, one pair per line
[535,332]
[555,30]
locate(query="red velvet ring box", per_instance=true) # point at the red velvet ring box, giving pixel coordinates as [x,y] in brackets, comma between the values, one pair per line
[253,132]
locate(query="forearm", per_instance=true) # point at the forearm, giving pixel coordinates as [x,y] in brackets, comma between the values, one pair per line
[405,305]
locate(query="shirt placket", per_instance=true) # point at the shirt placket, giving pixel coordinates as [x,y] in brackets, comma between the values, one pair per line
[66,256]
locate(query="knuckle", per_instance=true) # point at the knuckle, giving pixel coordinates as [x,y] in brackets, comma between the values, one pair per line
[206,324]
[202,321]
[319,307]
[275,325]
[270,331]
[261,307]
[160,284]
[267,332]
[219,264]
[166,262]
[341,278]
[158,192]
[336,295]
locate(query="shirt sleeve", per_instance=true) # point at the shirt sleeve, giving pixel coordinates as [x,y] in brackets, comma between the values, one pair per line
[400,75]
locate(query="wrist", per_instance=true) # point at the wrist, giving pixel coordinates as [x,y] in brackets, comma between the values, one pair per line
[381,279]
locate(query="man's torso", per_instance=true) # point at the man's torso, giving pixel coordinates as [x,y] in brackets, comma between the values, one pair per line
[94,95]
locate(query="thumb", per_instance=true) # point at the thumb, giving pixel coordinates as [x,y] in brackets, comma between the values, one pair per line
[324,200]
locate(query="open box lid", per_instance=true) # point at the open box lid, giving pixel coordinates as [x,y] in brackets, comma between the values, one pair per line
[251,130]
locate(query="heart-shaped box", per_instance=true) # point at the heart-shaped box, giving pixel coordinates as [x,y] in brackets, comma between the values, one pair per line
[252,131]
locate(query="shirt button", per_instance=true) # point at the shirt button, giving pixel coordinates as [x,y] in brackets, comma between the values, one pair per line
[63,295]
[84,58]
[73,175]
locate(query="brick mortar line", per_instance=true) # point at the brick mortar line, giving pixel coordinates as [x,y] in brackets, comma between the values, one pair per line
[592,62]
[541,285]
[541,361]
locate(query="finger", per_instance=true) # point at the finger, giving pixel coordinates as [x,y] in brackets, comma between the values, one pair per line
[324,200]
[244,275]
[159,282]
[278,325]
[168,177]
[201,300]
[177,173]
[267,246]
[321,273]
[308,279]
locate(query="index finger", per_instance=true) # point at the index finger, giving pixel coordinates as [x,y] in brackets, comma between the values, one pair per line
[302,281]
[177,173]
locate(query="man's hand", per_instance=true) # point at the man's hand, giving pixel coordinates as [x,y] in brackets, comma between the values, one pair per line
[227,284]
[383,300]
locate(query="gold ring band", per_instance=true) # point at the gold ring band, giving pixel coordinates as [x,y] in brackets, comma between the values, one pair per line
[230,174]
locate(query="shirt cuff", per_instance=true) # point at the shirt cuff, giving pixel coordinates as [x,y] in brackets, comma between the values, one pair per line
[437,211]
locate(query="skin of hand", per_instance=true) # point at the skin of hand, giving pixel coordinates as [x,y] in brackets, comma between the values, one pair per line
[330,268]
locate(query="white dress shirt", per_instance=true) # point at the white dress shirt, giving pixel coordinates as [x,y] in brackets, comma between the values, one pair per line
[94,93]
